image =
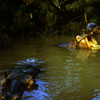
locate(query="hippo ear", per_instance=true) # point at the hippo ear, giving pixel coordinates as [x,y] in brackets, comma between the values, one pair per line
[5,75]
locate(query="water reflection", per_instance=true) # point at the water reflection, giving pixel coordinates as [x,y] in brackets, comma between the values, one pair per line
[81,76]
[70,75]
[84,54]
[96,95]
[40,94]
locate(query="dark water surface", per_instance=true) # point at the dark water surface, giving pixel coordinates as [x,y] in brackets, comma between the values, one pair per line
[70,75]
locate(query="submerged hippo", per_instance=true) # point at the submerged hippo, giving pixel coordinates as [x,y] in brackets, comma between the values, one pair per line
[18,80]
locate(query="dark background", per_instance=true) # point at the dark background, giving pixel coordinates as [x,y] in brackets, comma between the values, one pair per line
[30,18]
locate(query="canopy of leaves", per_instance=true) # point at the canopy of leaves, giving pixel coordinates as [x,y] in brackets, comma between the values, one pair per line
[20,18]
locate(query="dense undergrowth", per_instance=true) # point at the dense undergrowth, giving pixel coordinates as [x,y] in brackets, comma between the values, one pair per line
[29,18]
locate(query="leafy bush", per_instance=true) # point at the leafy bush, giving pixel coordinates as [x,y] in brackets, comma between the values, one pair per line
[47,17]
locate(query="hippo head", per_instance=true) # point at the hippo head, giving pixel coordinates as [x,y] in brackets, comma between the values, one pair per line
[13,85]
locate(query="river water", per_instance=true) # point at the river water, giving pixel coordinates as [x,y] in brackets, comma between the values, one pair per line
[69,75]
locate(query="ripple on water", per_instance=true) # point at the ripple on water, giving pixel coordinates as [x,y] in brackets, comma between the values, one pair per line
[96,95]
[40,94]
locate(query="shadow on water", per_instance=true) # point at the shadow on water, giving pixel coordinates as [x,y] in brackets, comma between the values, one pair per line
[70,75]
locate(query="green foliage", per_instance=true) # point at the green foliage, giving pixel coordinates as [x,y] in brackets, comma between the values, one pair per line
[4,40]
[28,2]
[20,21]
[75,6]
[74,28]
[46,17]
[91,1]
[51,20]
[57,3]
[90,10]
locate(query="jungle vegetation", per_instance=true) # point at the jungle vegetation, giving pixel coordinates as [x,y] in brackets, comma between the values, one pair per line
[24,18]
